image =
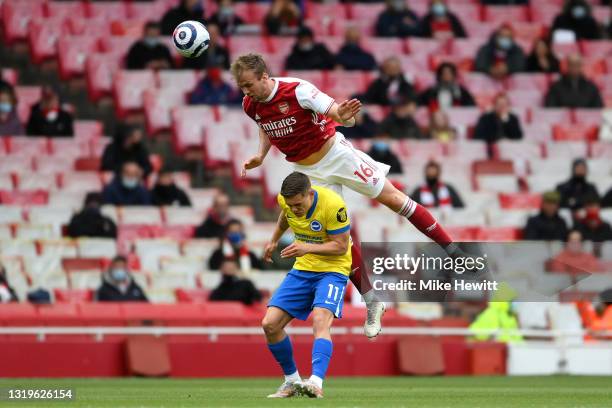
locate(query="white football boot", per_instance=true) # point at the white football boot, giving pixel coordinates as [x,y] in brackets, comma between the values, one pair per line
[309,389]
[373,324]
[286,390]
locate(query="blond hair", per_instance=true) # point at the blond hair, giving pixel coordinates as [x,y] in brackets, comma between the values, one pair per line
[249,62]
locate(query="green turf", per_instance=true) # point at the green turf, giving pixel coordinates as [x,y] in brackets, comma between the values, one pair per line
[421,392]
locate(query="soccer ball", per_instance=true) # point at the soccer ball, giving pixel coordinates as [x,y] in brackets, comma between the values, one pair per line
[191,38]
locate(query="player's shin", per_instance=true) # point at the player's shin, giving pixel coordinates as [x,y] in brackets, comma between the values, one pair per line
[283,353]
[321,355]
[359,275]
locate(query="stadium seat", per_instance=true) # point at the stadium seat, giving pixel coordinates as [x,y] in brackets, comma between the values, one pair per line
[9,75]
[199,247]
[10,164]
[192,295]
[24,198]
[537,131]
[140,215]
[566,149]
[202,198]
[73,52]
[151,250]
[592,117]
[129,87]
[107,10]
[81,181]
[242,44]
[598,49]
[14,247]
[343,84]
[551,115]
[519,149]
[522,200]
[96,247]
[36,181]
[364,11]
[26,96]
[505,14]
[188,124]
[523,81]
[43,37]
[101,68]
[6,182]
[585,132]
[16,18]
[183,215]
[383,48]
[338,26]
[216,146]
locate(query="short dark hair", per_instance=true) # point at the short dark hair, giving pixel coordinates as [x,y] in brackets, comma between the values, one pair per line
[119,258]
[152,25]
[294,184]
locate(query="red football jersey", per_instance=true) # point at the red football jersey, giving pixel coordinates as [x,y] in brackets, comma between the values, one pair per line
[294,117]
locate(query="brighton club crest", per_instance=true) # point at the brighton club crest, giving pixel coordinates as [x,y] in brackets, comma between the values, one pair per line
[283,107]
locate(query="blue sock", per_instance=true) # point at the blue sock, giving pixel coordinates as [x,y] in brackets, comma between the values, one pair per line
[283,353]
[321,354]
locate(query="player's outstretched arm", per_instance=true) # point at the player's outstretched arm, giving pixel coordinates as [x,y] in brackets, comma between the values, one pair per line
[337,245]
[281,227]
[257,160]
[345,112]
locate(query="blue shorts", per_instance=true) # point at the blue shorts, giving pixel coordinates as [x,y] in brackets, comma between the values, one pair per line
[301,291]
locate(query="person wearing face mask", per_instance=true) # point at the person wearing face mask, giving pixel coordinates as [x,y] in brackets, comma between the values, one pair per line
[501,56]
[391,85]
[216,220]
[9,121]
[118,284]
[213,90]
[590,224]
[127,145]
[47,118]
[226,18]
[351,55]
[307,54]
[500,123]
[447,92]
[149,52]
[573,89]
[434,193]
[400,123]
[7,293]
[127,188]
[215,56]
[234,288]
[185,10]
[234,246]
[576,16]
[441,23]
[284,17]
[577,189]
[381,152]
[573,258]
[397,20]
[90,222]
[548,225]
[167,193]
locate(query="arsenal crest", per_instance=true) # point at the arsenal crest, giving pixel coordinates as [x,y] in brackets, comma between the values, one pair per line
[283,107]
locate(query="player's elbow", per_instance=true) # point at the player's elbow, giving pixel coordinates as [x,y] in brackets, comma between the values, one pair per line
[342,247]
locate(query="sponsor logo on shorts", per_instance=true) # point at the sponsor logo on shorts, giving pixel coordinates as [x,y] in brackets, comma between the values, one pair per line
[374,180]
[327,302]
[316,226]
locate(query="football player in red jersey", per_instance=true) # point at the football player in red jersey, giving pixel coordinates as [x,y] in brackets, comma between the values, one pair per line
[300,121]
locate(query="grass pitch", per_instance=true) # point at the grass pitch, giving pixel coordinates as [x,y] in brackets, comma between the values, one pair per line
[421,392]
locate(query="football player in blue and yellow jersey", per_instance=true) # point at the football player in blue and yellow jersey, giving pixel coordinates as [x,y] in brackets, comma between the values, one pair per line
[316,284]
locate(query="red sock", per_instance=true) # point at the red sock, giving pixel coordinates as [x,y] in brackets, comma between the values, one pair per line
[422,219]
[359,277]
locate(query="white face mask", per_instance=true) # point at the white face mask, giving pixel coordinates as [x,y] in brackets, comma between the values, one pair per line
[119,274]
[129,182]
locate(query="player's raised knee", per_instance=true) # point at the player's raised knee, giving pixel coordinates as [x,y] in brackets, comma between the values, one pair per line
[270,325]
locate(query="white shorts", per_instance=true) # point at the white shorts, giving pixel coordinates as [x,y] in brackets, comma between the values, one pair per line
[346,166]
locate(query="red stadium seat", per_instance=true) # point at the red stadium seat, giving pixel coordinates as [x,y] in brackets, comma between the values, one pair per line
[566,149]
[192,295]
[129,87]
[481,30]
[87,129]
[99,26]
[65,9]
[544,13]
[364,11]
[575,132]
[315,77]
[319,11]
[243,44]
[26,97]
[24,198]
[522,81]
[588,117]
[73,295]
[9,75]
[478,82]
[73,52]
[150,10]
[185,80]
[551,115]
[101,69]
[43,37]
[343,84]
[519,201]
[383,48]
[188,124]
[426,46]
[27,146]
[596,49]
[116,45]
[129,28]
[526,98]
[467,116]
[505,14]
[338,27]
[459,234]
[158,104]
[498,234]
[519,149]
[16,18]
[107,10]
[601,149]
[36,181]
[217,149]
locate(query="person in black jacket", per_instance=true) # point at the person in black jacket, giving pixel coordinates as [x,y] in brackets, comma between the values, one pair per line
[500,56]
[118,284]
[351,55]
[216,220]
[226,18]
[498,124]
[234,245]
[307,54]
[434,193]
[234,288]
[397,20]
[590,224]
[441,23]
[576,16]
[542,59]
[577,189]
[400,123]
[447,92]
[606,201]
[381,152]
[547,225]
[149,52]
[365,127]
[127,146]
[390,86]
[127,188]
[90,222]
[48,118]
[7,293]
[216,56]
[186,10]
[165,192]
[573,90]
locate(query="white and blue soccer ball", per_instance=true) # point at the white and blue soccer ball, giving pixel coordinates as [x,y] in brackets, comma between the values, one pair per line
[191,38]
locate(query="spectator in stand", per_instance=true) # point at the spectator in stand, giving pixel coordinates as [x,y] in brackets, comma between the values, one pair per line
[547,225]
[573,89]
[381,152]
[167,193]
[284,17]
[435,193]
[397,20]
[149,52]
[576,16]
[504,2]
[226,18]
[440,128]
[573,258]
[218,217]
[186,10]
[213,90]
[391,85]
[365,127]
[400,123]
[542,59]
[127,145]
[500,56]
[9,121]
[606,201]
[591,226]
[127,188]
[7,293]
[233,245]
[441,23]
[118,285]
[577,189]
[90,222]
[233,287]
[48,118]
[447,92]
[216,56]
[498,124]
[351,55]
[307,54]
